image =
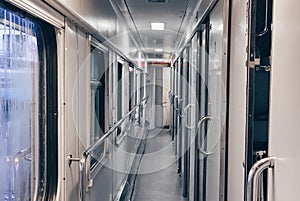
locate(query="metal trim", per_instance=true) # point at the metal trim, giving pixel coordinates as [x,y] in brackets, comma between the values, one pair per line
[40,10]
[202,9]
[97,44]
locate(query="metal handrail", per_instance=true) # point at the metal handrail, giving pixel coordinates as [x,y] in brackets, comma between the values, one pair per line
[254,175]
[201,121]
[84,180]
[144,100]
[109,132]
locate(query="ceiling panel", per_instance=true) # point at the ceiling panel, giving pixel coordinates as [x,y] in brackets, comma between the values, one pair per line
[171,13]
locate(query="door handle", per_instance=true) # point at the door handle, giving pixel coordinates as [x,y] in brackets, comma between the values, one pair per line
[251,36]
[176,102]
[254,175]
[262,33]
[200,122]
[185,115]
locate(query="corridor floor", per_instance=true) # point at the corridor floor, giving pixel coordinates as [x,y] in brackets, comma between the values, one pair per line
[157,179]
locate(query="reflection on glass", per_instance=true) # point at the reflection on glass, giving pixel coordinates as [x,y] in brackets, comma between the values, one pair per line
[18,95]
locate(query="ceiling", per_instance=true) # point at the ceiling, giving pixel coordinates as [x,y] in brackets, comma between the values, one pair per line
[173,13]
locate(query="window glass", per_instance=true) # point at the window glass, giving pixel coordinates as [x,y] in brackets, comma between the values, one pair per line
[99,62]
[19,80]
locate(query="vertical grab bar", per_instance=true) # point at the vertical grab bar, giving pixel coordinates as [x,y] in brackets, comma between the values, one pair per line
[254,175]
[82,178]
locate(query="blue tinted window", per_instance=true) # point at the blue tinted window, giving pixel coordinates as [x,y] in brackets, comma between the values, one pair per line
[19,86]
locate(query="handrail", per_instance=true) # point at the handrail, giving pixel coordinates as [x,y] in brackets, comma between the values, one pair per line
[144,100]
[109,132]
[84,180]
[254,175]
[201,121]
[82,177]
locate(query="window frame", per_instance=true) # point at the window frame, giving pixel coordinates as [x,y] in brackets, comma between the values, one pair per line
[44,177]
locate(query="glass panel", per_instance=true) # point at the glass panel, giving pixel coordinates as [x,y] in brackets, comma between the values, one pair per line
[19,77]
[216,106]
[119,86]
[99,60]
[131,90]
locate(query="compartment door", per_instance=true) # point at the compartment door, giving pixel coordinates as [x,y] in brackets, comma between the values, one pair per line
[216,107]
[284,116]
[212,124]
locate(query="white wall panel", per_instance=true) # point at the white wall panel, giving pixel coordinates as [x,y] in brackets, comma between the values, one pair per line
[99,14]
[83,88]
[103,19]
[77,99]
[71,69]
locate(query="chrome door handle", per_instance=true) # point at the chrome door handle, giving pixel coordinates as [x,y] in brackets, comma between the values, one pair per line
[180,101]
[200,122]
[262,33]
[254,175]
[176,102]
[250,49]
[185,119]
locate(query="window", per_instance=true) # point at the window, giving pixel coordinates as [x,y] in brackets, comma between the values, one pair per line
[25,130]
[99,97]
[131,89]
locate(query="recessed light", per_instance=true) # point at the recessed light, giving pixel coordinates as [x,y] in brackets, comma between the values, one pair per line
[157,26]
[158,50]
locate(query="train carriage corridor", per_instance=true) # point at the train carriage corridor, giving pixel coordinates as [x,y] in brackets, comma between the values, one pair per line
[157,179]
[149,100]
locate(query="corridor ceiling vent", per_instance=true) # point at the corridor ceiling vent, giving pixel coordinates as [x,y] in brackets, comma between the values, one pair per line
[157,1]
[159,26]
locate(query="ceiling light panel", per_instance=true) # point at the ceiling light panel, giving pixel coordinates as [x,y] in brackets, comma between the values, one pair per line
[157,26]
